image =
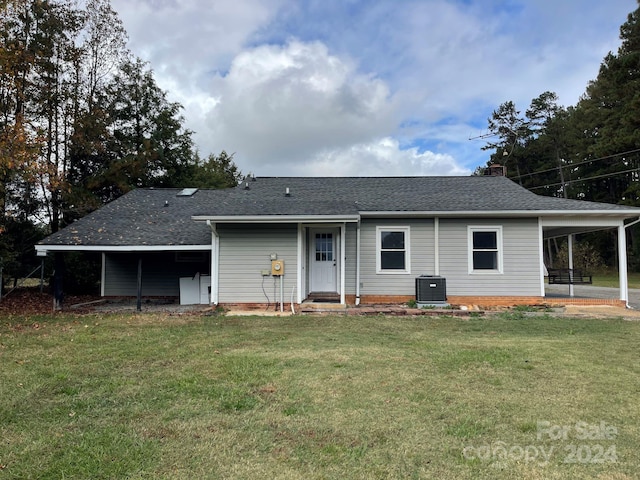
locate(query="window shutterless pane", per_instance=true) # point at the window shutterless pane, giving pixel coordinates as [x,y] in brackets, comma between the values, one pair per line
[392,240]
[392,260]
[485,260]
[485,240]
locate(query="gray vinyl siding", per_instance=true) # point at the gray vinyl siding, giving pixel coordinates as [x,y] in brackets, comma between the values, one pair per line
[245,251]
[521,259]
[160,273]
[421,252]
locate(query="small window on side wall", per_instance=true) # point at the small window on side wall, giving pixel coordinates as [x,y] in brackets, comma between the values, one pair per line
[392,248]
[485,249]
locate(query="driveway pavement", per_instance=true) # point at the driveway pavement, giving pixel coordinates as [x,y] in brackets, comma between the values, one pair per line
[589,291]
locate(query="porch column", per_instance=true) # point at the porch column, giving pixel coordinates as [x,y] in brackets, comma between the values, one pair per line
[570,252]
[622,263]
[541,253]
[300,259]
[215,263]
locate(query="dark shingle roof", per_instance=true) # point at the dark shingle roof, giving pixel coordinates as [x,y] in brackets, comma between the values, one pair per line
[141,217]
[138,218]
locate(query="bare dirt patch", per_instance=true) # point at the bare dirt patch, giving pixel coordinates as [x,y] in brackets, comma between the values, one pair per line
[601,311]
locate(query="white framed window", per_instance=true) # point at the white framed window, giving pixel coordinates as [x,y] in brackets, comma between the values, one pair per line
[485,249]
[392,250]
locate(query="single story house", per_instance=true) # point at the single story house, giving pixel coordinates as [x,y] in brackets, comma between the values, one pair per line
[352,240]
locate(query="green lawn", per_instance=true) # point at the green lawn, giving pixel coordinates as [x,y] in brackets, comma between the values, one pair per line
[611,279]
[185,397]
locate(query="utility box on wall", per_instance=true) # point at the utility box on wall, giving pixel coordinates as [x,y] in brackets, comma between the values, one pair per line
[277,267]
[431,289]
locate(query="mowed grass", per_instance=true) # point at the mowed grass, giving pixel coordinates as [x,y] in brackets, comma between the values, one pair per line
[611,279]
[337,397]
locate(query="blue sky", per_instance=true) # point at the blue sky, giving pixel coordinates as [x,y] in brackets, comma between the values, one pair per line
[364,87]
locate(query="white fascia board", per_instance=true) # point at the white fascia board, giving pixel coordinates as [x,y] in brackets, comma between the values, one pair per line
[121,248]
[602,221]
[276,218]
[619,214]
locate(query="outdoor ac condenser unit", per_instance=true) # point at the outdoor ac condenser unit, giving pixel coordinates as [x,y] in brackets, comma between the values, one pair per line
[431,289]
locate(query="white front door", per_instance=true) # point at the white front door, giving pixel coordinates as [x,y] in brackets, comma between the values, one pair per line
[323,261]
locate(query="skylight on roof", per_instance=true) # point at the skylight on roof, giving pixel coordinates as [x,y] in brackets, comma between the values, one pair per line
[186,192]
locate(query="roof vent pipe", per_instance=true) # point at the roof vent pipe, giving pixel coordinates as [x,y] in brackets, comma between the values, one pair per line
[166,203]
[286,192]
[246,185]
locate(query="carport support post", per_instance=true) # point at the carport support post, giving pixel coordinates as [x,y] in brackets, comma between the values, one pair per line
[58,277]
[622,263]
[42,276]
[139,304]
[570,252]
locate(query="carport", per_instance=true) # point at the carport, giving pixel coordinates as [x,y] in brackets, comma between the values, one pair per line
[566,226]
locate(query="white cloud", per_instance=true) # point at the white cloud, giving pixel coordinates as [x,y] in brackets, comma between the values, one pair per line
[185,40]
[364,73]
[380,158]
[290,108]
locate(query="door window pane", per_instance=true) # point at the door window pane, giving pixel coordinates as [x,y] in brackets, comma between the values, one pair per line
[324,247]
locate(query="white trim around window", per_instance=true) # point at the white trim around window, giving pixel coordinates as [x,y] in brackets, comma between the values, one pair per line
[485,249]
[393,252]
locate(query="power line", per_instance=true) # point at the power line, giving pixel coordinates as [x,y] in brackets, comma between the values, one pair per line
[575,164]
[584,179]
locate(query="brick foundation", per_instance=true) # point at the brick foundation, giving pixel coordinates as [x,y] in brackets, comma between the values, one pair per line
[455,300]
[493,301]
[258,307]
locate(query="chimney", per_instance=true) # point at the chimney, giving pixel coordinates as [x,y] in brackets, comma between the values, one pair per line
[496,170]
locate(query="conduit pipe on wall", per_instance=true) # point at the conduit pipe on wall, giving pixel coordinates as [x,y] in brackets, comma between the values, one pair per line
[358,263]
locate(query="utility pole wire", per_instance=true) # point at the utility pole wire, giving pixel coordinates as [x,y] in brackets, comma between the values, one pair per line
[585,179]
[569,165]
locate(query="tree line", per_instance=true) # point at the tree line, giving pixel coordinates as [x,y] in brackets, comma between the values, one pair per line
[82,121]
[590,151]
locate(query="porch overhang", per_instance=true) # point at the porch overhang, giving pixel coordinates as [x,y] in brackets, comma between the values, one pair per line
[277,219]
[561,226]
[42,250]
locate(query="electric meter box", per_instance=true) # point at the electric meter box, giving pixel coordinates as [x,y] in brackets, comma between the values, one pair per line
[277,267]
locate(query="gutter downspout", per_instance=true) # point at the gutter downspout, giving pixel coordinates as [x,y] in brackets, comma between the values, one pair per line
[358,263]
[436,246]
[343,260]
[215,262]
